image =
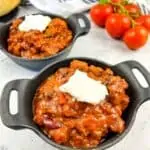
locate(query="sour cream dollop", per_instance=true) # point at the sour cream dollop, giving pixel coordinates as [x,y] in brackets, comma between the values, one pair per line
[34,22]
[84,88]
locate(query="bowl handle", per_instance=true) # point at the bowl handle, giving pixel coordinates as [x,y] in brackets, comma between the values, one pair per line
[1,26]
[80,23]
[126,67]
[18,120]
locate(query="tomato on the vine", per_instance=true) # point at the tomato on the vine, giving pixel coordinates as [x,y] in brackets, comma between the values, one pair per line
[136,37]
[133,9]
[100,12]
[122,19]
[145,21]
[117,25]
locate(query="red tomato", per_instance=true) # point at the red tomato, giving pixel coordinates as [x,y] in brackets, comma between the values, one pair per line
[117,25]
[145,21]
[99,13]
[132,8]
[136,37]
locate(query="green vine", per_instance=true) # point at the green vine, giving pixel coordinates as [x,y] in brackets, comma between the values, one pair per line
[103,1]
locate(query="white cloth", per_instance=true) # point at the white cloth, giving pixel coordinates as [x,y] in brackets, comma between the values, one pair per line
[67,7]
[63,7]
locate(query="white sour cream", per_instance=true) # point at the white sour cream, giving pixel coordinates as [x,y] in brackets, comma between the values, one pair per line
[34,22]
[84,88]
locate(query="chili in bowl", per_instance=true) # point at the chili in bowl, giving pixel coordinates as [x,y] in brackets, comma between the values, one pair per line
[72,118]
[69,119]
[36,40]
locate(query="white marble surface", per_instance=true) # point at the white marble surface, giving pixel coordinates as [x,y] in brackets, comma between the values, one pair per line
[96,44]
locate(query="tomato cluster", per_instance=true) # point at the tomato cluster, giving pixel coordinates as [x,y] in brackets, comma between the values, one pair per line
[122,20]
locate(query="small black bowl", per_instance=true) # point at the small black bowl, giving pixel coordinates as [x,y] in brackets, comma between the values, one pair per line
[79,25]
[26,89]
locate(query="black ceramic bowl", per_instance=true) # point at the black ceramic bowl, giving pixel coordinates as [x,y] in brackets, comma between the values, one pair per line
[26,89]
[78,23]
